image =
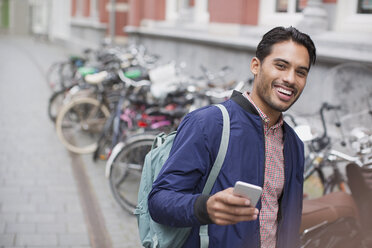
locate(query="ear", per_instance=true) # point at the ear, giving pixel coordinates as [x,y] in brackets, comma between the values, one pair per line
[255,65]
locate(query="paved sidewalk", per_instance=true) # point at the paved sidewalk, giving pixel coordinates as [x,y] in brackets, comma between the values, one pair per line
[40,201]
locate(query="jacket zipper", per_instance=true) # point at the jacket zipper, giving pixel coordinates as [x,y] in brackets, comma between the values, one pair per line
[280,211]
[263,177]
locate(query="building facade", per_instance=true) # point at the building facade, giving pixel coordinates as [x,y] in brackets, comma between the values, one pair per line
[96,20]
[217,33]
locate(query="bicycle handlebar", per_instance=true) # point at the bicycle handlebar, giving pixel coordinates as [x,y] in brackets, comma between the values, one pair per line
[291,118]
[226,93]
[130,82]
[323,141]
[326,106]
[346,157]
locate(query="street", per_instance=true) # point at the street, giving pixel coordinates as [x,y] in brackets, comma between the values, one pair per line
[48,197]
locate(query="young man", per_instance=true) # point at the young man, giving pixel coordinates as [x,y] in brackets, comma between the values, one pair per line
[263,150]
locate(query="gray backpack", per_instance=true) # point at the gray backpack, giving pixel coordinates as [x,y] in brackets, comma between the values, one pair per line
[155,235]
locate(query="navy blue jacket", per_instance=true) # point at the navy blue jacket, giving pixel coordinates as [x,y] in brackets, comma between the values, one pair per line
[183,176]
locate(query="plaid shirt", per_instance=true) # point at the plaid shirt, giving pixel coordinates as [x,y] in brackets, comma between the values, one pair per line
[273,181]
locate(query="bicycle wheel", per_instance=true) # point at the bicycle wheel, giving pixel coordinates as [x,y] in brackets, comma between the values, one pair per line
[54,77]
[313,178]
[79,124]
[335,183]
[104,141]
[126,169]
[313,187]
[55,103]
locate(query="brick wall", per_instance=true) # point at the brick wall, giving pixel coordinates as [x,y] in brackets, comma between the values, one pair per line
[154,10]
[237,12]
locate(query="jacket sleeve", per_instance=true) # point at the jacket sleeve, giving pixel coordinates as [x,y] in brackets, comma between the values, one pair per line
[177,189]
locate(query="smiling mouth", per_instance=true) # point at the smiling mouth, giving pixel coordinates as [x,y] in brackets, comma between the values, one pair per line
[285,92]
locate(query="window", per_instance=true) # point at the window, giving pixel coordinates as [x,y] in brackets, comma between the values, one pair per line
[354,16]
[94,9]
[280,12]
[187,11]
[290,6]
[364,6]
[79,8]
[281,5]
[300,5]
[87,10]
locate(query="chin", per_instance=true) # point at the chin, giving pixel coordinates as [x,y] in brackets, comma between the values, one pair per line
[281,107]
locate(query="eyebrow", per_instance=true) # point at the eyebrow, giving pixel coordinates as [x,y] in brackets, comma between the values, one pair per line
[287,62]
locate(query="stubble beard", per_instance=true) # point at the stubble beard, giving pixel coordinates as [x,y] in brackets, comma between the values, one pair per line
[265,93]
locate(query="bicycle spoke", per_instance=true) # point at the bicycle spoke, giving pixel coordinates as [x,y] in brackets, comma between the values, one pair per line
[74,120]
[136,167]
[126,172]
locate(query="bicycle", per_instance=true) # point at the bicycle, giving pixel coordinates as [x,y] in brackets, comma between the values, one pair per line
[124,165]
[124,168]
[133,112]
[66,74]
[77,83]
[323,155]
[80,121]
[61,73]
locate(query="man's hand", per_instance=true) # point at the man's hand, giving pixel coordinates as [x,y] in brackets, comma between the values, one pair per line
[225,208]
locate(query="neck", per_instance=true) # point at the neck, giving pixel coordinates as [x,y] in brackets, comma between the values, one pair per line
[273,115]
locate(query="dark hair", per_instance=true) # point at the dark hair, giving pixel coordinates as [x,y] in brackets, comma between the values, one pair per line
[280,34]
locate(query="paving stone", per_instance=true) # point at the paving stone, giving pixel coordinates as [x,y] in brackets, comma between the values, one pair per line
[41,246]
[20,228]
[50,207]
[36,240]
[5,217]
[70,217]
[8,190]
[14,246]
[18,208]
[38,198]
[19,182]
[73,208]
[73,239]
[2,227]
[15,199]
[51,228]
[121,226]
[63,198]
[36,218]
[77,228]
[7,239]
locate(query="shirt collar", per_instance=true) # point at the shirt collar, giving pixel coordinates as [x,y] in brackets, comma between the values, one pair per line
[263,116]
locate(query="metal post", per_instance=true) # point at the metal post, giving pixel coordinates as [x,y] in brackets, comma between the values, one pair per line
[112,20]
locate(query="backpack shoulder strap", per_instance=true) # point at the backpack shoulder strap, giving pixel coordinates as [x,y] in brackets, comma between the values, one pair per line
[221,152]
[203,232]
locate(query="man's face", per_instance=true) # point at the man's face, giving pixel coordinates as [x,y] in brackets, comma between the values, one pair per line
[281,77]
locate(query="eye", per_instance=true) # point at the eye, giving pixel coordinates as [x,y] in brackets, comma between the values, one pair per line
[280,66]
[301,73]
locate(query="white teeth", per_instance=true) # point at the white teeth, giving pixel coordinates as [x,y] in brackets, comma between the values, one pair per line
[287,92]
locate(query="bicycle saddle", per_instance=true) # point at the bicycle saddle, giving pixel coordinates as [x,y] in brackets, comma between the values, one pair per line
[327,208]
[96,78]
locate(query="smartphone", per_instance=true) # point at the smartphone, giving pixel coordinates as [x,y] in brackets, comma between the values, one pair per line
[247,190]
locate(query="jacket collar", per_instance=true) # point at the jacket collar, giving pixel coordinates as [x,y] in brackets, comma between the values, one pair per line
[243,102]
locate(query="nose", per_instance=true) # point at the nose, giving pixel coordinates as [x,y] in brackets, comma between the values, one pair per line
[290,77]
